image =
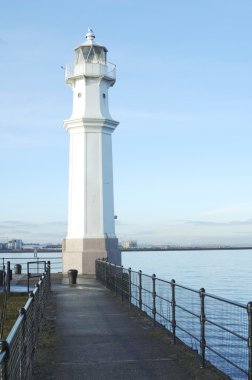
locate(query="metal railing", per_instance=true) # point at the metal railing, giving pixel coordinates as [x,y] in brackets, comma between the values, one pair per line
[5,279]
[56,262]
[91,69]
[34,270]
[220,330]
[17,351]
[4,300]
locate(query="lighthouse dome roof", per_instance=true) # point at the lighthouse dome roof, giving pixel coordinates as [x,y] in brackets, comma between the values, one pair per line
[90,51]
[90,36]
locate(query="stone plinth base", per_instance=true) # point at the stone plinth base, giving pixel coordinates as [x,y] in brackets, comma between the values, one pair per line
[81,254]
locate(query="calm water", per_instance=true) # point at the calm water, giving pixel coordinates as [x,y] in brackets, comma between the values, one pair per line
[226,273]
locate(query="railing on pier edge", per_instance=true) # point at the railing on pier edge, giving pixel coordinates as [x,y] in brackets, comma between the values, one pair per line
[219,329]
[4,281]
[17,351]
[56,262]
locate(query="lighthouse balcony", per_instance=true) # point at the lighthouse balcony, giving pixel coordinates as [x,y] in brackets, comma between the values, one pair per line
[94,69]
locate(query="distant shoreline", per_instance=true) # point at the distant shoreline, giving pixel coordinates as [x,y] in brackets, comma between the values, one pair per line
[40,250]
[183,249]
[155,249]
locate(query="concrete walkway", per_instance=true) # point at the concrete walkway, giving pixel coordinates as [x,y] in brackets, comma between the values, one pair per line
[98,338]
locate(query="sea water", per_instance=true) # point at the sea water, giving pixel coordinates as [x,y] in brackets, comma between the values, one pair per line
[226,273]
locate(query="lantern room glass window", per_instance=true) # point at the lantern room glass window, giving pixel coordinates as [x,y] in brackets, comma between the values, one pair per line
[94,54]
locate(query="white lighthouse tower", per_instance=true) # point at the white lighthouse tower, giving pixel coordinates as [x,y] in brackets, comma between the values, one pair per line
[91,229]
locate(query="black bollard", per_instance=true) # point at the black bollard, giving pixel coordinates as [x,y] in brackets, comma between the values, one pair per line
[72,276]
[18,268]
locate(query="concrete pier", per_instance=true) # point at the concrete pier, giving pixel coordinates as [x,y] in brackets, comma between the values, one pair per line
[90,335]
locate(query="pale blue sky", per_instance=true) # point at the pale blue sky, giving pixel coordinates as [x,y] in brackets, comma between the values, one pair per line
[183,96]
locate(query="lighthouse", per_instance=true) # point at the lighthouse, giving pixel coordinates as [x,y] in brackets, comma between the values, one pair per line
[91,226]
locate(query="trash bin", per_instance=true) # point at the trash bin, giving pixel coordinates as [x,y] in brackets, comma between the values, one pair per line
[18,268]
[72,276]
[1,277]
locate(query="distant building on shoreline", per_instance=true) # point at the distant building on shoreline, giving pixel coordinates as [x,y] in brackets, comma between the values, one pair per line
[129,244]
[15,244]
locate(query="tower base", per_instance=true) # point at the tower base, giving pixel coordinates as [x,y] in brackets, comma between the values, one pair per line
[81,254]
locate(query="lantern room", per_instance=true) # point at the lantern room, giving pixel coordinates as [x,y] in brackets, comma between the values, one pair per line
[90,59]
[90,51]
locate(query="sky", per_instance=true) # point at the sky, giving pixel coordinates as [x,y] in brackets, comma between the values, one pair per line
[182,151]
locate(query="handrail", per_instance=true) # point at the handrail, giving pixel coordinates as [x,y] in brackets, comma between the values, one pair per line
[4,304]
[17,351]
[201,320]
[56,262]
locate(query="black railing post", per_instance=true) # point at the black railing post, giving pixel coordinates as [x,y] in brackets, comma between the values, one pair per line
[23,344]
[129,270]
[49,273]
[202,327]
[111,276]
[106,273]
[116,280]
[8,276]
[114,277]
[28,278]
[173,305]
[122,283]
[249,310]
[4,347]
[140,290]
[99,270]
[32,336]
[154,311]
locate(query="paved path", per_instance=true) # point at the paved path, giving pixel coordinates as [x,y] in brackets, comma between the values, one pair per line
[98,338]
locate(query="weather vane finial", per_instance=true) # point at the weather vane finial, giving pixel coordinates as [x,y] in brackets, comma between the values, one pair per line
[90,34]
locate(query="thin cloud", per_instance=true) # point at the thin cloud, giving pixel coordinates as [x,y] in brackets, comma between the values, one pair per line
[231,209]
[17,224]
[213,223]
[55,224]
[42,232]
[122,223]
[203,223]
[242,222]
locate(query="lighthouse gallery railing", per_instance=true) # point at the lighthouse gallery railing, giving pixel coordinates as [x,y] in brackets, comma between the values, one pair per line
[218,329]
[91,69]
